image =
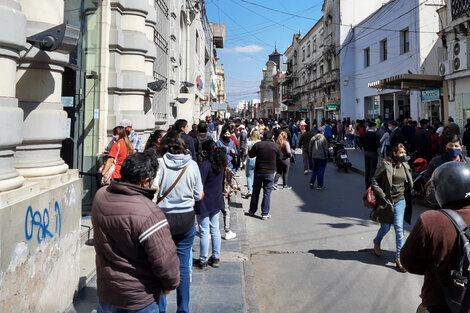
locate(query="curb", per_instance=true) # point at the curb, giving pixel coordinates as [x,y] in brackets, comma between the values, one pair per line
[358,171]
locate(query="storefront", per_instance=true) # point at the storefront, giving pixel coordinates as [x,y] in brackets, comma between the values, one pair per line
[431,105]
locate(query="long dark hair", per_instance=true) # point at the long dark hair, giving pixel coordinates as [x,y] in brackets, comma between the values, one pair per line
[217,156]
[395,149]
[153,139]
[173,143]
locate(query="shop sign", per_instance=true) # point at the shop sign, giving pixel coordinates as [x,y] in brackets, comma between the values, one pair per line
[332,107]
[430,94]
[303,111]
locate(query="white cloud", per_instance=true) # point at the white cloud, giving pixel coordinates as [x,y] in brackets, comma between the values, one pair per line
[245,49]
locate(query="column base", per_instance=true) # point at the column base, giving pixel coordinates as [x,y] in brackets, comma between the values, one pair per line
[12,183]
[54,181]
[43,171]
[28,190]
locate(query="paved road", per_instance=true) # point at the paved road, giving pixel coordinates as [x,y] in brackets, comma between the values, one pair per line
[315,255]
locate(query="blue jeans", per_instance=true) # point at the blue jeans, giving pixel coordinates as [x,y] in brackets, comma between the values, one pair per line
[250,172]
[184,243]
[398,218]
[319,167]
[209,224]
[107,308]
[266,182]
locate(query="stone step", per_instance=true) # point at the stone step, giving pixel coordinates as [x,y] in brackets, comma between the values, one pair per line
[87,253]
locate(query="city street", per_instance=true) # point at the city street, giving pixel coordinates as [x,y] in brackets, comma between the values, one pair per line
[314,255]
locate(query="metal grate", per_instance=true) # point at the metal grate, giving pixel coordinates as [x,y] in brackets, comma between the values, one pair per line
[460,8]
[158,76]
[160,41]
[163,7]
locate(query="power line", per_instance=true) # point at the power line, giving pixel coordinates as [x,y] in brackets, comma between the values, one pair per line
[254,36]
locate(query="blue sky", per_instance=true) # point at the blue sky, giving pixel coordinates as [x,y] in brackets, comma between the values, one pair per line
[251,33]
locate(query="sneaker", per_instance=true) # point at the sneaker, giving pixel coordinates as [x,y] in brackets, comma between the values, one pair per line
[214,262]
[309,171]
[275,187]
[305,172]
[321,188]
[287,187]
[250,214]
[200,265]
[229,235]
[376,249]
[265,217]
[311,186]
[247,195]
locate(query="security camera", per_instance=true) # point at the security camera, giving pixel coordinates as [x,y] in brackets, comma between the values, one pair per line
[156,85]
[62,38]
[181,100]
[187,84]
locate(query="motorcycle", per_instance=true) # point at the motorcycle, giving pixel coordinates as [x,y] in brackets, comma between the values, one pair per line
[341,157]
[421,189]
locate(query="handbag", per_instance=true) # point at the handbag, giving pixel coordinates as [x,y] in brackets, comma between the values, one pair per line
[172,186]
[109,174]
[368,199]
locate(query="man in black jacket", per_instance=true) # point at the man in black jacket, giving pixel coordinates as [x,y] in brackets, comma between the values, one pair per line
[371,145]
[396,136]
[267,153]
[423,141]
[182,126]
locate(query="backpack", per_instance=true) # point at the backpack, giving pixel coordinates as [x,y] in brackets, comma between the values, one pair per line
[231,186]
[198,146]
[457,294]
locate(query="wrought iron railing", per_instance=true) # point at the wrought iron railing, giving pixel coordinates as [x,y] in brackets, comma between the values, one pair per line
[163,6]
[460,8]
[161,117]
[160,41]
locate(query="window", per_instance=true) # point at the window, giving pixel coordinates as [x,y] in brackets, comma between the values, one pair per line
[314,45]
[308,51]
[197,43]
[366,57]
[405,41]
[303,54]
[321,70]
[383,50]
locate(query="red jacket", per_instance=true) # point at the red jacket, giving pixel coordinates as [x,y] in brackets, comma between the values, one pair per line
[135,254]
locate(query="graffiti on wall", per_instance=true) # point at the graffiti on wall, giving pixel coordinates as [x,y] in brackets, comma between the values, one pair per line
[39,223]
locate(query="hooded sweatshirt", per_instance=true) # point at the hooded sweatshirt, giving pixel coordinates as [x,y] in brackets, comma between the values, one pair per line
[318,147]
[179,203]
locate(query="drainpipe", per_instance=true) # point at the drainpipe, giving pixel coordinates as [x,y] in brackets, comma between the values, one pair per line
[188,22]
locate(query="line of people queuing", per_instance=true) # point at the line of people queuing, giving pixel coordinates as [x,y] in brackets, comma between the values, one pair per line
[144,216]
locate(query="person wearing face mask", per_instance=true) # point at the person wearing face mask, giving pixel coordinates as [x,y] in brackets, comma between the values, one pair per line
[396,134]
[120,149]
[226,142]
[453,152]
[133,244]
[392,185]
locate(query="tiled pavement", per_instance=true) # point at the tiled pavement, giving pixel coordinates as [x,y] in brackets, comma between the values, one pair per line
[215,290]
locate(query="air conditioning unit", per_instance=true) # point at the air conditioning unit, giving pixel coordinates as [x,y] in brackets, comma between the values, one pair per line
[444,68]
[460,55]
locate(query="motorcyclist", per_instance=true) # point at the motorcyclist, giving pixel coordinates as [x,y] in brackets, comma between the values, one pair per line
[431,248]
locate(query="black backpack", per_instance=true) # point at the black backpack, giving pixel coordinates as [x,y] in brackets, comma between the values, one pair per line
[457,294]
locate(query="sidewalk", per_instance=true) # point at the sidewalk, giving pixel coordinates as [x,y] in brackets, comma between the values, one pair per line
[213,291]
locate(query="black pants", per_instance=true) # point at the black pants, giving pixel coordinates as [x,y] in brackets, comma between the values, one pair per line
[282,170]
[370,161]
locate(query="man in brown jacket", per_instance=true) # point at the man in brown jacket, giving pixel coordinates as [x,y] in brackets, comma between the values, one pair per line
[431,248]
[136,258]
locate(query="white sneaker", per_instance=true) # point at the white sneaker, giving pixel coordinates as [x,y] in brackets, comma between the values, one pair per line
[229,235]
[305,172]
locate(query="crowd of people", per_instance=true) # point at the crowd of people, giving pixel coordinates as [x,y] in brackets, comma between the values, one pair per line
[144,219]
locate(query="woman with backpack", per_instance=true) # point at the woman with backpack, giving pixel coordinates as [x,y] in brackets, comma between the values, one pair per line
[208,209]
[392,185]
[180,187]
[250,163]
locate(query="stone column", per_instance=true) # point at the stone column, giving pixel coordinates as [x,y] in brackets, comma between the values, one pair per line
[12,40]
[128,46]
[150,56]
[38,89]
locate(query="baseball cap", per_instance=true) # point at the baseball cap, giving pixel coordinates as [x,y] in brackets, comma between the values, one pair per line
[126,123]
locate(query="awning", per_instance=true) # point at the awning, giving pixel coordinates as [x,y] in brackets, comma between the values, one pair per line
[408,82]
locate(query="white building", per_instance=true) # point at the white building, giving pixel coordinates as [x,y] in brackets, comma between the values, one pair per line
[392,48]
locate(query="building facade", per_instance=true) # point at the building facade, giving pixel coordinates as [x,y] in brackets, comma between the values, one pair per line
[150,61]
[398,40]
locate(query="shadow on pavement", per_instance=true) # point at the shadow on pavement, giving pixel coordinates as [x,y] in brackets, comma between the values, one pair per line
[364,256]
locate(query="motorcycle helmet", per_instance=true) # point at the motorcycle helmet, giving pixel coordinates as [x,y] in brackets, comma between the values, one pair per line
[420,165]
[451,183]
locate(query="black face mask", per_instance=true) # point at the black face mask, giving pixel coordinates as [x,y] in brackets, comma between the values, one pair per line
[226,139]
